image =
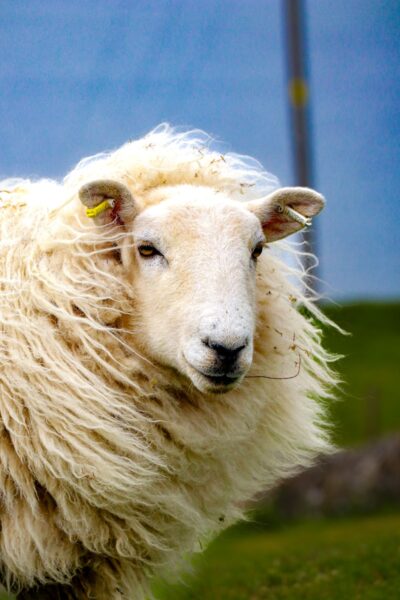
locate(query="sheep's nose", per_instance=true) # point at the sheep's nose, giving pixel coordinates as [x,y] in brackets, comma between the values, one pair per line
[227,355]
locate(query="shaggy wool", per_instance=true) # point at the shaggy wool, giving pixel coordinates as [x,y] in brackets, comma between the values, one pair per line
[114,468]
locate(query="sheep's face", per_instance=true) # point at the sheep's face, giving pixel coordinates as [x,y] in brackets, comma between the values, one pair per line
[193,266]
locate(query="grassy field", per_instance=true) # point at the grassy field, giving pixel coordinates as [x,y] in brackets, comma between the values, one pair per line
[348,559]
[352,559]
[369,403]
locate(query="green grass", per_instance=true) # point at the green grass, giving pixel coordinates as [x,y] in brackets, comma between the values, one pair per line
[353,559]
[369,403]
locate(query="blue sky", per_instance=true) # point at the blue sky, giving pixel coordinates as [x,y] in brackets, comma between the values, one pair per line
[79,77]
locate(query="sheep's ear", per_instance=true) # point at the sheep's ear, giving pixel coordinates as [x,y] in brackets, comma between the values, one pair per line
[108,201]
[286,211]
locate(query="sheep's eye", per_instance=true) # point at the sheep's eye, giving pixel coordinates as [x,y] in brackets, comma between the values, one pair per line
[257,251]
[147,251]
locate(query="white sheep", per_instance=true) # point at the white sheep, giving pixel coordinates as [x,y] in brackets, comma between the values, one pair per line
[156,371]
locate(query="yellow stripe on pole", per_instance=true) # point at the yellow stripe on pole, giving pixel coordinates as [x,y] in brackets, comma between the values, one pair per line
[298,92]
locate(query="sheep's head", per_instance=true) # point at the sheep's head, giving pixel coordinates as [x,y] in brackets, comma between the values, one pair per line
[192,255]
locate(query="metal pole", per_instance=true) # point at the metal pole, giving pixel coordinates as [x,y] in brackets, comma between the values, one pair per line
[299,101]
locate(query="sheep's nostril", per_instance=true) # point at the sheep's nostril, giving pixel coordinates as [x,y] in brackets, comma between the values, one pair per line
[226,354]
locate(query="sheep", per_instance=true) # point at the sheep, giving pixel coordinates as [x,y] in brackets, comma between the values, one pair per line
[156,369]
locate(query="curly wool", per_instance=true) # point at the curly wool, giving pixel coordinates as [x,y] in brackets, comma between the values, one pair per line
[112,467]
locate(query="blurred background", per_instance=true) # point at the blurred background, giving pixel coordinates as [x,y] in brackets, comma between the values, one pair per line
[80,77]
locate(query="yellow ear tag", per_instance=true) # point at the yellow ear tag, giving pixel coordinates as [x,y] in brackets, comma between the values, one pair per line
[97,210]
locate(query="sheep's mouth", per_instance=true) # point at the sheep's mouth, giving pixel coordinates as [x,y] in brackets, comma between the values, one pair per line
[221,380]
[216,383]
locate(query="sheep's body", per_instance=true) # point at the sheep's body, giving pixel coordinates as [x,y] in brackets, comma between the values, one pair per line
[113,466]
